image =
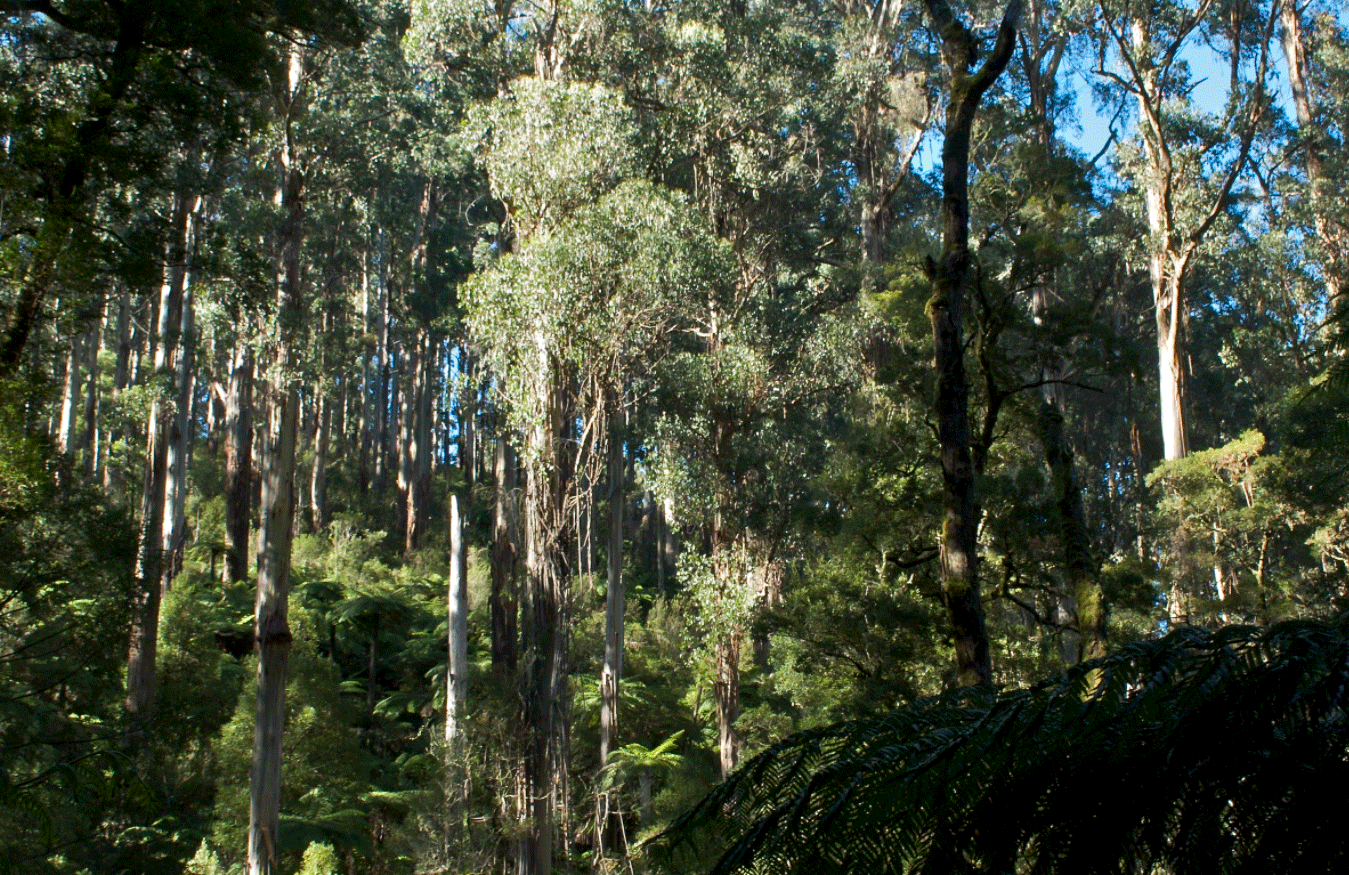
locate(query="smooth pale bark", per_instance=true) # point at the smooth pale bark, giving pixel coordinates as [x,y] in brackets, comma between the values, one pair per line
[318,473]
[271,626]
[1173,241]
[70,392]
[180,441]
[950,276]
[456,682]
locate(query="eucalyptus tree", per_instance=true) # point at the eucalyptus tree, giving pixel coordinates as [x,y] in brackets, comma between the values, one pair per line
[1313,45]
[1186,164]
[883,75]
[740,112]
[600,264]
[166,437]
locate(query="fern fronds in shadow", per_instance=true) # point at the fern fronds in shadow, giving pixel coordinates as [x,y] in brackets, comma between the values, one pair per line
[1203,752]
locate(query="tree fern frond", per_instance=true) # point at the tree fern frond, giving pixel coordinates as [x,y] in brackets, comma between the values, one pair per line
[1201,752]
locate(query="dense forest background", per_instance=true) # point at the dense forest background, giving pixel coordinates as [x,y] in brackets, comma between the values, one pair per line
[449,436]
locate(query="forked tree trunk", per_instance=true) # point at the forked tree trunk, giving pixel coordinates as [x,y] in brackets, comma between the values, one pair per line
[949,276]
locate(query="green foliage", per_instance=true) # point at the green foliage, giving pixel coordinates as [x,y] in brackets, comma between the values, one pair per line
[1237,731]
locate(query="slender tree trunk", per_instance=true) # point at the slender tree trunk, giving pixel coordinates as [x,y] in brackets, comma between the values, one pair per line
[611,673]
[70,391]
[456,685]
[504,600]
[415,475]
[1083,572]
[238,485]
[959,537]
[89,440]
[179,445]
[318,475]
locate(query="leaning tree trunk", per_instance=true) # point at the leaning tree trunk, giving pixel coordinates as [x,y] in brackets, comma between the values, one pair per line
[949,276]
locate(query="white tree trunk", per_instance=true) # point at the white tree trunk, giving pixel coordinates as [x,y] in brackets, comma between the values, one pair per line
[456,686]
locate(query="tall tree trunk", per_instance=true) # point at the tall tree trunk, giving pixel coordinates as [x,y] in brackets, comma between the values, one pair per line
[546,634]
[155,503]
[70,392]
[271,626]
[611,673]
[456,684]
[416,473]
[179,448]
[92,395]
[949,276]
[1083,572]
[1331,233]
[726,691]
[238,485]
[504,606]
[318,474]
[1172,245]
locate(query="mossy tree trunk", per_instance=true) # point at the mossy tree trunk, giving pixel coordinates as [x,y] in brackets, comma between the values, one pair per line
[950,277]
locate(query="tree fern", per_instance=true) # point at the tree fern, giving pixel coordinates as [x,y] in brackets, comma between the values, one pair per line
[1198,753]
